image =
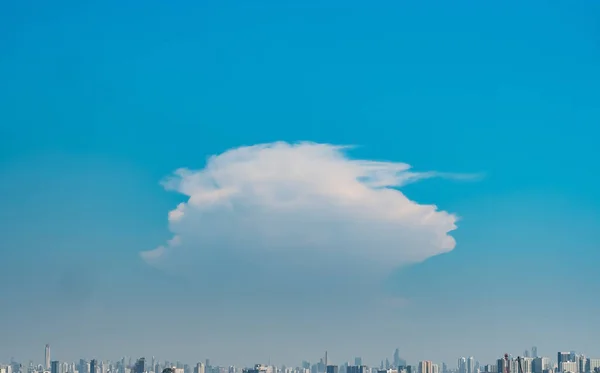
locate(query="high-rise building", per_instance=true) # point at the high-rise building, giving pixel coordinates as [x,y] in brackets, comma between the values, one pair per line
[567,367]
[397,358]
[425,367]
[199,368]
[540,364]
[55,367]
[471,365]
[357,361]
[83,366]
[93,366]
[591,365]
[140,366]
[580,360]
[490,368]
[534,352]
[563,357]
[47,357]
[526,365]
[462,365]
[501,365]
[332,369]
[357,369]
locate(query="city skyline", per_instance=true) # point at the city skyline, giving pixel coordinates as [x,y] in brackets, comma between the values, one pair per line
[465,364]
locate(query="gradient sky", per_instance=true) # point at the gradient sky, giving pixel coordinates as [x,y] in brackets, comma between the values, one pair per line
[100,100]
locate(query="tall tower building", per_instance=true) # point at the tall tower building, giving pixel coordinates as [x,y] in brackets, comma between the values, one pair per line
[540,364]
[357,369]
[580,360]
[84,367]
[47,357]
[462,365]
[93,366]
[563,357]
[332,369]
[140,366]
[397,358]
[591,365]
[425,367]
[55,367]
[471,365]
[501,366]
[534,352]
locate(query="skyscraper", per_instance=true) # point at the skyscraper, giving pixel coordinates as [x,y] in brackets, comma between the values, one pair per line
[580,360]
[462,365]
[93,366]
[357,369]
[540,364]
[534,352]
[140,366]
[425,367]
[471,365]
[563,357]
[397,358]
[47,357]
[591,365]
[332,369]
[55,367]
[83,367]
[501,366]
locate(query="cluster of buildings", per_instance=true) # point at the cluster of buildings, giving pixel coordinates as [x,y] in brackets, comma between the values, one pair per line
[566,362]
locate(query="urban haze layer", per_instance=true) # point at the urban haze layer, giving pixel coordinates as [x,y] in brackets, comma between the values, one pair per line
[566,362]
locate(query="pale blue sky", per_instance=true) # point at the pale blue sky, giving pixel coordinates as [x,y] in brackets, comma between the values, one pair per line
[100,100]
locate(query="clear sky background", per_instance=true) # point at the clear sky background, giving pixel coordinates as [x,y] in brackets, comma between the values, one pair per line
[100,100]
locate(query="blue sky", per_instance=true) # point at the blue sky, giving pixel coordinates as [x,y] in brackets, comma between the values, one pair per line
[100,101]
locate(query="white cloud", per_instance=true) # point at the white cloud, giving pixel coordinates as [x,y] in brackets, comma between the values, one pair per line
[306,206]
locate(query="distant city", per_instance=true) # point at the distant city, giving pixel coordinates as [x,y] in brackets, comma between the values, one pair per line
[566,362]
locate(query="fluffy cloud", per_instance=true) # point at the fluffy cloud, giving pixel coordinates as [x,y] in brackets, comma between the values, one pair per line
[298,209]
